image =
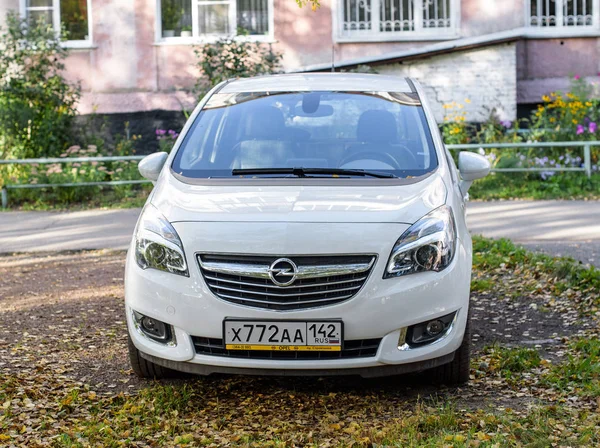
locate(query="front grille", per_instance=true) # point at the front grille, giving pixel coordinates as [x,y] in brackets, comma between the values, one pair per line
[320,280]
[362,348]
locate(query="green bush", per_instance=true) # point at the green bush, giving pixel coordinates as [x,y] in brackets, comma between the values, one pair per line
[37,105]
[229,58]
[67,172]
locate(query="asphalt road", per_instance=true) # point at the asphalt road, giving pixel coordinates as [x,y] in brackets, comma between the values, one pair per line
[569,228]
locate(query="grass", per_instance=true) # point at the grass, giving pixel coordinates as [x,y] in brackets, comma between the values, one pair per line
[510,360]
[521,186]
[580,374]
[130,197]
[561,275]
[38,404]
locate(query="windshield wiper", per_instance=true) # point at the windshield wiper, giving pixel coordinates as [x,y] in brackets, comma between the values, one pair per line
[304,172]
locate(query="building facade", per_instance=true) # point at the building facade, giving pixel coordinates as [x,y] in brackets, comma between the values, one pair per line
[137,55]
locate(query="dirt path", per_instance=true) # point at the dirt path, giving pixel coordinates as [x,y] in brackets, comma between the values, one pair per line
[65,378]
[65,311]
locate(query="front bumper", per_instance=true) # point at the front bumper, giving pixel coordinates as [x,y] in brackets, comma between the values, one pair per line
[380,310]
[365,372]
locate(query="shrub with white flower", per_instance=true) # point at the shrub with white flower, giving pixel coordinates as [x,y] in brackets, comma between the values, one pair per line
[229,58]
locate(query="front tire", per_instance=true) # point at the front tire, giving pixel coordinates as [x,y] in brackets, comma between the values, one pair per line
[144,368]
[456,372]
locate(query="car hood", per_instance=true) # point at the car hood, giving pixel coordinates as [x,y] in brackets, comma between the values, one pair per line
[181,202]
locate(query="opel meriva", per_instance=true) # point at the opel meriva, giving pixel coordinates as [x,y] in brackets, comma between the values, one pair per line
[304,225]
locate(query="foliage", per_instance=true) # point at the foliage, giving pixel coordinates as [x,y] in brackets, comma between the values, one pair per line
[37,105]
[455,129]
[562,117]
[78,172]
[314,4]
[166,139]
[570,116]
[171,13]
[230,58]
[74,16]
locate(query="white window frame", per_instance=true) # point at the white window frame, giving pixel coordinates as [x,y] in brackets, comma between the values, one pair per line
[420,33]
[208,38]
[561,29]
[55,8]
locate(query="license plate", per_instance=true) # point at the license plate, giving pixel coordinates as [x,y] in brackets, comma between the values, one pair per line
[283,335]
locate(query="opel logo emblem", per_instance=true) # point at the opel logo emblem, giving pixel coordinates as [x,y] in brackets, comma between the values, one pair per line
[283,272]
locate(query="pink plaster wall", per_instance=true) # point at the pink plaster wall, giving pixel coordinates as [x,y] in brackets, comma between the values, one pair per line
[127,61]
[552,58]
[490,16]
[546,65]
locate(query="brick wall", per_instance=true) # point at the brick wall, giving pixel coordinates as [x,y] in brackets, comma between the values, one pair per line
[487,77]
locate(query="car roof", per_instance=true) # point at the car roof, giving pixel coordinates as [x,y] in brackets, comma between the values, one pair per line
[303,82]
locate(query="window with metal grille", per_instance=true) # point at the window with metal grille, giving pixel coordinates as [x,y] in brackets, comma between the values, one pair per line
[389,19]
[215,18]
[563,13]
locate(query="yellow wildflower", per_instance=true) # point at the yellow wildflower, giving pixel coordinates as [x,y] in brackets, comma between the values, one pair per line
[588,104]
[574,121]
[467,100]
[552,119]
[546,98]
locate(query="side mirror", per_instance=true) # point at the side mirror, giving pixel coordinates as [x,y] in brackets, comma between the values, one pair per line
[151,166]
[472,167]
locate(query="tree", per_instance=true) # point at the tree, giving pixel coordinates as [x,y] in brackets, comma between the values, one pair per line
[37,105]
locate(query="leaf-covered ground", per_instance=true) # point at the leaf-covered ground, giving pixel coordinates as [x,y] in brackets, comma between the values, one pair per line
[65,380]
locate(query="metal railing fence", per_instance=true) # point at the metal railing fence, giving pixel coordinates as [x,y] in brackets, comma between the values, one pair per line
[48,161]
[585,145]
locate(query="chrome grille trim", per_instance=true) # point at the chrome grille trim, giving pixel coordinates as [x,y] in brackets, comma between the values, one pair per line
[293,294]
[208,277]
[319,280]
[262,271]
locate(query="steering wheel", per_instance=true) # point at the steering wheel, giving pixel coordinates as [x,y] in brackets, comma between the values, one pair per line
[381,157]
[371,155]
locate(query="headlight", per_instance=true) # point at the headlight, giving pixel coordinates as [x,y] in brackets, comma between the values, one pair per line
[157,244]
[428,245]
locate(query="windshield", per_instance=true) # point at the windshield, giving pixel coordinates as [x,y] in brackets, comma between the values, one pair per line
[308,134]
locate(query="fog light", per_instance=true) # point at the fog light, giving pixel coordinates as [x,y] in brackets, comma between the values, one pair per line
[153,328]
[429,331]
[435,327]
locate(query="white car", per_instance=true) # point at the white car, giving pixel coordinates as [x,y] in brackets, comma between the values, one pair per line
[304,224]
